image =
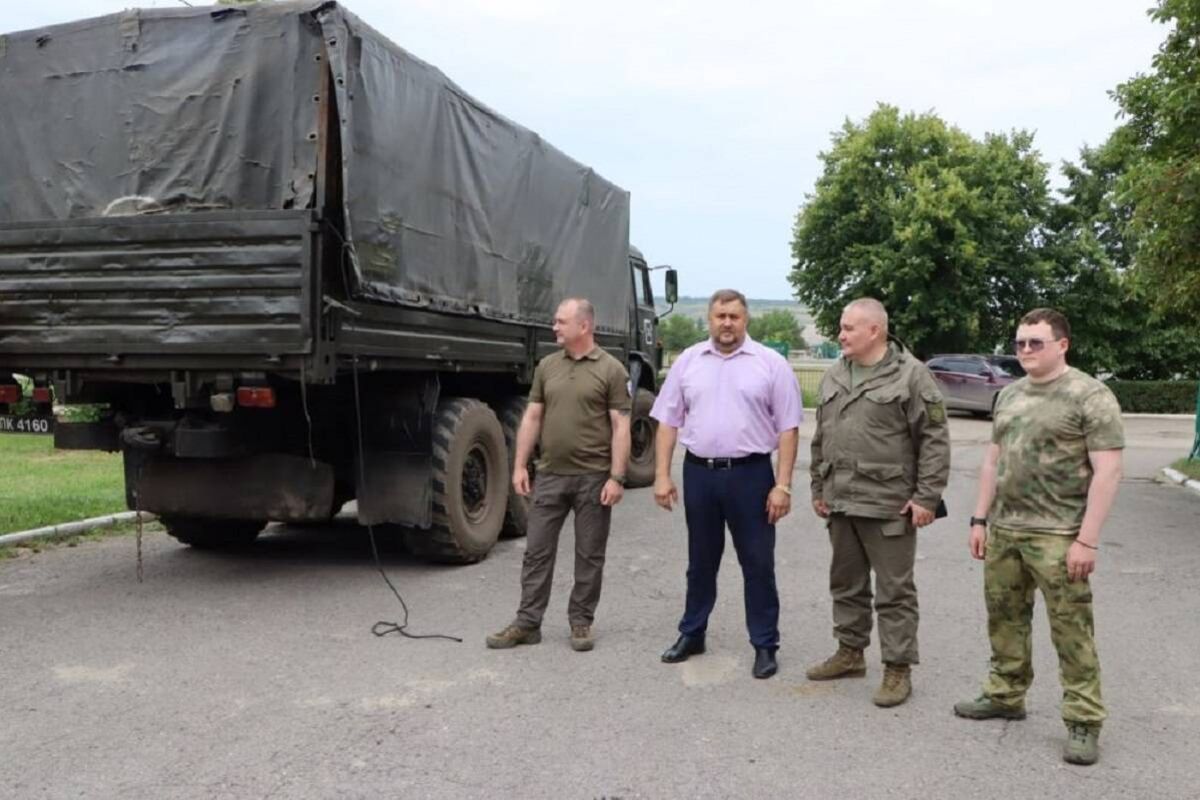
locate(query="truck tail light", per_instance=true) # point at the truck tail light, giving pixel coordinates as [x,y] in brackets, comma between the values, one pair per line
[10,393]
[256,396]
[41,394]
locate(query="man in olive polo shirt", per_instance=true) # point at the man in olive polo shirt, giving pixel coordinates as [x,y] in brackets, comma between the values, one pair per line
[578,412]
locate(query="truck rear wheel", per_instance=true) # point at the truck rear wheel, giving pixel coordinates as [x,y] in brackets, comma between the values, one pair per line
[470,484]
[205,533]
[643,429]
[516,512]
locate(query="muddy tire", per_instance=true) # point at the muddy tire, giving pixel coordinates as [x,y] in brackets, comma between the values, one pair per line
[205,533]
[470,484]
[516,512]
[642,429]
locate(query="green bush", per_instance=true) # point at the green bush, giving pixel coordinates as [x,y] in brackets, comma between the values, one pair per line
[1155,397]
[25,404]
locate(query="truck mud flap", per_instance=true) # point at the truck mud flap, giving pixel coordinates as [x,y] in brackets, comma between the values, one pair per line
[271,486]
[397,489]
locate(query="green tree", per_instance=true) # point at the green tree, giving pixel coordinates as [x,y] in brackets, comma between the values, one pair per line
[1090,252]
[944,229]
[1116,328]
[1162,108]
[679,332]
[777,324]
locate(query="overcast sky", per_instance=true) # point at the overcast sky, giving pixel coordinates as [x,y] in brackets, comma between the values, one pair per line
[713,114]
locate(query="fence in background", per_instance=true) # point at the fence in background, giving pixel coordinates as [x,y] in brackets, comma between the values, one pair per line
[809,376]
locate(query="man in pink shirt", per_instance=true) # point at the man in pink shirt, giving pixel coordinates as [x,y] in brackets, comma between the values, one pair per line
[731,402]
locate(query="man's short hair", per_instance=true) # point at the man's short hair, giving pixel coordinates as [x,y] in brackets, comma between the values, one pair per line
[1057,321]
[872,308]
[584,310]
[728,296]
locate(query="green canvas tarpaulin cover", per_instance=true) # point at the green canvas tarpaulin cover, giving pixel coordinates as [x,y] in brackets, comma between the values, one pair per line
[448,204]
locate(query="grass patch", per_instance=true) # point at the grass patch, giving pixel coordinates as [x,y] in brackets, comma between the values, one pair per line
[43,486]
[1188,467]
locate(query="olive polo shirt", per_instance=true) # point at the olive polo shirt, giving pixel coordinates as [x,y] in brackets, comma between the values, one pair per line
[578,394]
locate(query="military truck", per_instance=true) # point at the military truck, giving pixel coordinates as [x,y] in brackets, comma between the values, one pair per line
[295,265]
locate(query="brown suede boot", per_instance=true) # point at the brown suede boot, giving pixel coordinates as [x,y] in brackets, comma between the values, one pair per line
[847,662]
[581,638]
[896,686]
[513,636]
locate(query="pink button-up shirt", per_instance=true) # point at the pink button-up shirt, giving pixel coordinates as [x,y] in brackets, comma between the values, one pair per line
[727,406]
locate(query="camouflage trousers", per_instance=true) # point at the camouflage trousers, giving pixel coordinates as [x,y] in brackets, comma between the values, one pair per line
[1018,563]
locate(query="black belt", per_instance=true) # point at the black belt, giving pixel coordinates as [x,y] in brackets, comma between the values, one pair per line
[725,463]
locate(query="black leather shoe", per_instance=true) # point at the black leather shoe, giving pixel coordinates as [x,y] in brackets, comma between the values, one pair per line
[684,646]
[765,664]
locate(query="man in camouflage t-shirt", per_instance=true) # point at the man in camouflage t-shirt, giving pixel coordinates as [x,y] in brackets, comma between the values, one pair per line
[1047,484]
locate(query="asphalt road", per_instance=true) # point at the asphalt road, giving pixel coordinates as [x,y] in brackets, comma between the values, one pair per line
[256,674]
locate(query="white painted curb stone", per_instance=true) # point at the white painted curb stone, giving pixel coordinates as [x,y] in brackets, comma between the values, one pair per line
[70,528]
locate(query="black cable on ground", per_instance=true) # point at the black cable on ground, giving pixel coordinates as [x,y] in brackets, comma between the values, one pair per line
[383,628]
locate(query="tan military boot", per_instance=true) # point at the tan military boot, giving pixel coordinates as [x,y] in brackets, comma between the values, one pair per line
[985,708]
[1083,745]
[896,686]
[512,636]
[581,637]
[847,662]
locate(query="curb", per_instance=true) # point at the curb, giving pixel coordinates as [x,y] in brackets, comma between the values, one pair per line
[71,528]
[1175,476]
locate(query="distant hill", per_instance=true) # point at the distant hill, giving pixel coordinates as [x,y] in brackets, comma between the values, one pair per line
[697,308]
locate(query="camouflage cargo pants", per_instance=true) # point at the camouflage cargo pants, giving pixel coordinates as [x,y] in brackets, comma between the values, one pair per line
[1018,563]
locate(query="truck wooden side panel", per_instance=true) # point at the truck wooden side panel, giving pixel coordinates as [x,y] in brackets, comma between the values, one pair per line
[228,285]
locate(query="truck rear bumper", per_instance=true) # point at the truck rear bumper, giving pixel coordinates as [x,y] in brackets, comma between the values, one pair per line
[268,486]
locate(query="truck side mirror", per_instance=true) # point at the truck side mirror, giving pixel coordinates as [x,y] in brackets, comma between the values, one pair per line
[671,287]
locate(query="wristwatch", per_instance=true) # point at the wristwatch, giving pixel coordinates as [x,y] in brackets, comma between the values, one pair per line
[618,479]
[978,521]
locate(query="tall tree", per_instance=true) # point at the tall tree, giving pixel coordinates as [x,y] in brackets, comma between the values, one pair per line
[1116,328]
[777,324]
[1163,185]
[942,228]
[1090,251]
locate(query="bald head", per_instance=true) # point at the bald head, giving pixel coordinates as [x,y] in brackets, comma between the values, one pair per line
[581,308]
[574,322]
[864,331]
[871,310]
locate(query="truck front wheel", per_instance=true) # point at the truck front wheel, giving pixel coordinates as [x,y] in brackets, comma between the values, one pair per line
[470,484]
[642,428]
[206,533]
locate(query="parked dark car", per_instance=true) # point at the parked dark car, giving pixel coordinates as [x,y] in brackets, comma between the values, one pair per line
[972,382]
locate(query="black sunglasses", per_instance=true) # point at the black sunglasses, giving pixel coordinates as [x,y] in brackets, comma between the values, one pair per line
[1034,345]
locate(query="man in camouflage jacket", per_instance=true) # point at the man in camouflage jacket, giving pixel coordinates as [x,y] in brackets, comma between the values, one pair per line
[880,461]
[1045,489]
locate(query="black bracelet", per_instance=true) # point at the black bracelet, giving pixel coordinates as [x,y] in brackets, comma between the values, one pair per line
[1085,544]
